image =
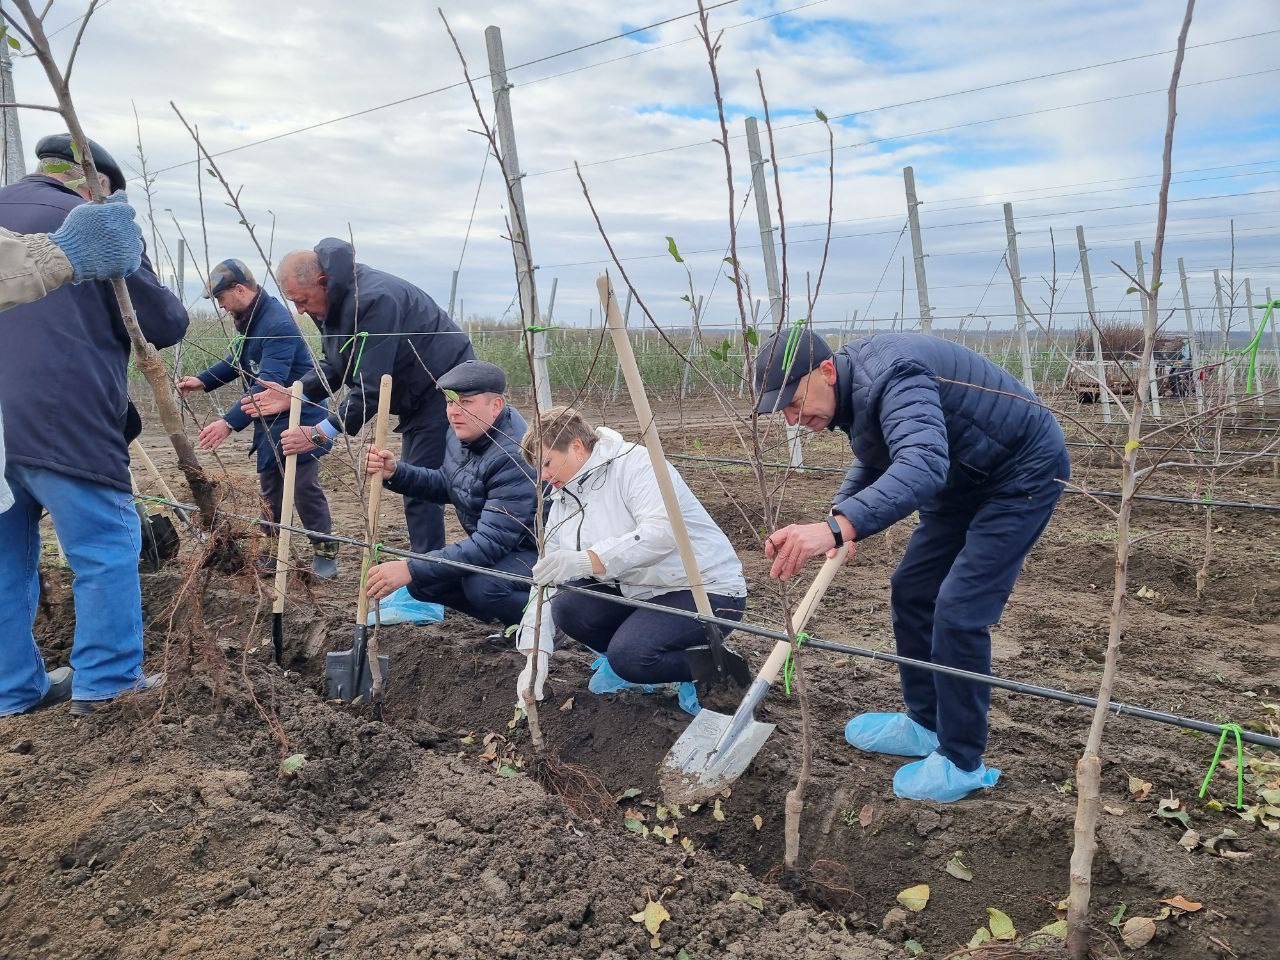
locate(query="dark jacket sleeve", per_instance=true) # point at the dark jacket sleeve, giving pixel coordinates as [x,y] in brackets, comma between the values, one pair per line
[368,358]
[161,315]
[419,483]
[910,413]
[506,520]
[858,477]
[220,374]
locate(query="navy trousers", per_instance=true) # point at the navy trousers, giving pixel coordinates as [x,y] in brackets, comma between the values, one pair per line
[309,501]
[642,646]
[424,447]
[952,585]
[487,599]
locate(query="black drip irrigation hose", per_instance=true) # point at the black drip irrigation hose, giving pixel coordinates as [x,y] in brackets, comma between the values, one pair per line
[1016,686]
[1157,498]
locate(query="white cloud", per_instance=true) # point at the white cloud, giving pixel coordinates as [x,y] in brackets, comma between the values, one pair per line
[403,179]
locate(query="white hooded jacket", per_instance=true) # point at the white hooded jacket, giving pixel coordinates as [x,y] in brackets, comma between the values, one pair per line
[614,508]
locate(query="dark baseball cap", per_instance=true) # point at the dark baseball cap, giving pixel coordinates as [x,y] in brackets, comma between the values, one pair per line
[784,360]
[226,275]
[58,147]
[474,376]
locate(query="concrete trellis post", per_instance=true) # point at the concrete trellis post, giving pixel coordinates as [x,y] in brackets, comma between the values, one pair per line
[770,257]
[1192,343]
[181,278]
[1228,368]
[1153,393]
[1100,363]
[917,250]
[520,221]
[1019,305]
[453,293]
[15,164]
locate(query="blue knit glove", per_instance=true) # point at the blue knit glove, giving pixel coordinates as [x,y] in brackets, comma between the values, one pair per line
[101,239]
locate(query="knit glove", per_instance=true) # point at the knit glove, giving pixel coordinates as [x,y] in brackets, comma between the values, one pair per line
[562,566]
[101,240]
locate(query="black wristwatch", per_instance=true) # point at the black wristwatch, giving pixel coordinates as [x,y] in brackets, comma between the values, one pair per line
[836,532]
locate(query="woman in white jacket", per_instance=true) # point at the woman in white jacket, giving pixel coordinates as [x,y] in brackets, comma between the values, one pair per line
[607,529]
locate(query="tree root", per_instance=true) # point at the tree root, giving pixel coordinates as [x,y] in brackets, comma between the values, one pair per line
[580,789]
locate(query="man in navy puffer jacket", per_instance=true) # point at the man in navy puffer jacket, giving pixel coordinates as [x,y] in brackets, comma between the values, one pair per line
[491,487]
[269,348]
[937,429]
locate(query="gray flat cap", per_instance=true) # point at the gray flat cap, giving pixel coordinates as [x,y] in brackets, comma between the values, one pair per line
[474,376]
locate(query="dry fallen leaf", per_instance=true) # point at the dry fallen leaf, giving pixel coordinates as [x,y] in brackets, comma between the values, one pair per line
[758,821]
[956,867]
[1190,840]
[746,898]
[653,916]
[1139,789]
[915,898]
[1138,931]
[1001,926]
[717,813]
[1114,811]
[866,815]
[567,705]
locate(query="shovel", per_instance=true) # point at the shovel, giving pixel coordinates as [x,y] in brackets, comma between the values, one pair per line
[347,673]
[714,749]
[284,534]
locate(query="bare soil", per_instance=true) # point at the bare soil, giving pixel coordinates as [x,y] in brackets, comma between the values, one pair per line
[166,826]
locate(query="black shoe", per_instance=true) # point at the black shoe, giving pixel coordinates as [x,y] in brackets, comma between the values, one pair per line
[83,708]
[59,689]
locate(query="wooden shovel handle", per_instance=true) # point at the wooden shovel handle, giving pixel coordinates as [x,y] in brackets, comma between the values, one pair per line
[375,496]
[283,536]
[640,401]
[804,610]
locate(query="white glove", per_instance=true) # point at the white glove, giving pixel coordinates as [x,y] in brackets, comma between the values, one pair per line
[562,566]
[522,685]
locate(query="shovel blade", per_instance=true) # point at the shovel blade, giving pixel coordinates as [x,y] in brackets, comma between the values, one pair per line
[339,682]
[699,766]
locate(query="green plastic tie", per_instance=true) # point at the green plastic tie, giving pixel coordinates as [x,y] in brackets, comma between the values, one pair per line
[1232,728]
[363,337]
[793,344]
[789,665]
[237,344]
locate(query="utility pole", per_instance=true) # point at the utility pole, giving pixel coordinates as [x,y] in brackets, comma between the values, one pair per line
[1153,384]
[520,223]
[1100,364]
[1019,306]
[917,249]
[770,259]
[15,164]
[1192,345]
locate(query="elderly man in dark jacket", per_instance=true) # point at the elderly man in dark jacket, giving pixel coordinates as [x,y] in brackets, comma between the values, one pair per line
[938,429]
[268,346]
[63,392]
[491,487]
[373,323]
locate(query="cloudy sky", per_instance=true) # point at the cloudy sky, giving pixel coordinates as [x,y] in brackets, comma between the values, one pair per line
[1078,146]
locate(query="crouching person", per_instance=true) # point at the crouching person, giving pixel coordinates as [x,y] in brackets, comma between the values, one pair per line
[492,491]
[607,529]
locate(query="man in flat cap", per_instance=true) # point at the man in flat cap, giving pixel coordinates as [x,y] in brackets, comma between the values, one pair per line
[492,490]
[372,323]
[938,429]
[64,396]
[268,347]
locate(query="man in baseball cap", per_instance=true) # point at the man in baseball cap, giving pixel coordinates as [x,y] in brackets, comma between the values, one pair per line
[270,347]
[940,430]
[491,487]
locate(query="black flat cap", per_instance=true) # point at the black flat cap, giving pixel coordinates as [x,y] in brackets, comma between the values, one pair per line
[474,376]
[784,360]
[58,146]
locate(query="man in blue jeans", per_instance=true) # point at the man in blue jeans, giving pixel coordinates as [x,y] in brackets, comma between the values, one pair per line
[63,379]
[938,429]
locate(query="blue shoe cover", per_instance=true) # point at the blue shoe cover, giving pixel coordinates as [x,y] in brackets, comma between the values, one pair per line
[894,733]
[401,607]
[687,697]
[938,779]
[604,680]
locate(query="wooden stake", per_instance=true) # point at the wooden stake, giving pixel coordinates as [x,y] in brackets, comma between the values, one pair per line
[371,536]
[286,503]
